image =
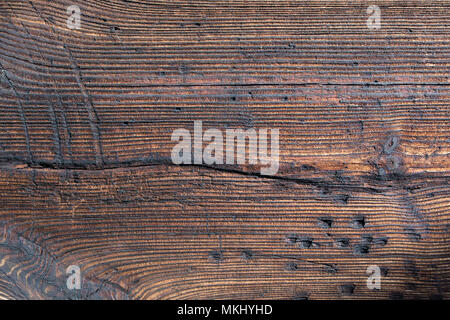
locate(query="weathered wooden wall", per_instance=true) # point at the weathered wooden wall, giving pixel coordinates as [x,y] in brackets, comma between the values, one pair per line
[86,178]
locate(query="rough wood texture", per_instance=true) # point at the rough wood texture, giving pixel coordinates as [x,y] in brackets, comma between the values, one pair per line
[86,176]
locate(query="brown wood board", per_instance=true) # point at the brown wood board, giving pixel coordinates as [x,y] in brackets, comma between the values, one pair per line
[86,177]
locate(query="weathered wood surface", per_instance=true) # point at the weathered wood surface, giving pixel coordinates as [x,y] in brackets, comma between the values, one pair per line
[86,176]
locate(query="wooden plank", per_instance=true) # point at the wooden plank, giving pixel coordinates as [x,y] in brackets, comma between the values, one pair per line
[86,176]
[191,232]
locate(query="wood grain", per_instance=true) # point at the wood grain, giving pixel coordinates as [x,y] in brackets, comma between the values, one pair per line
[85,139]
